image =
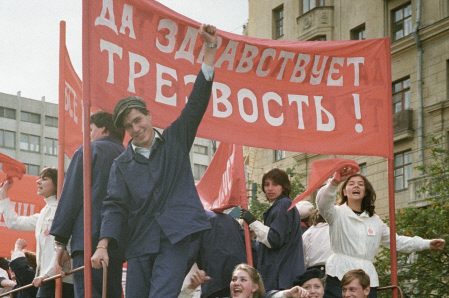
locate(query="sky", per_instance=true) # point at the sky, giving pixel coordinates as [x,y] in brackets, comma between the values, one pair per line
[29,32]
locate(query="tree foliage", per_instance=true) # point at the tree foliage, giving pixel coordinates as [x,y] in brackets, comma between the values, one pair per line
[295,179]
[425,273]
[258,206]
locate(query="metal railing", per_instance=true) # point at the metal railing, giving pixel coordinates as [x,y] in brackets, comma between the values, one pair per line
[54,277]
[391,288]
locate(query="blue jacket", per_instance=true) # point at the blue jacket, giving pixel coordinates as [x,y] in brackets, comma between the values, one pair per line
[24,276]
[218,251]
[280,264]
[157,194]
[69,217]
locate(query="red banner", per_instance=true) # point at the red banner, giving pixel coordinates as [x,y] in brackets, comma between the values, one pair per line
[305,96]
[223,184]
[73,107]
[11,167]
[24,195]
[321,170]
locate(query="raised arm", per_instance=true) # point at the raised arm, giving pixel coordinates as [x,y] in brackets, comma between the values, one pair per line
[12,219]
[209,35]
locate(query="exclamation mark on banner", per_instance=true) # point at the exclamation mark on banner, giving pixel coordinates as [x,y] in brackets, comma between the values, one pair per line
[358,114]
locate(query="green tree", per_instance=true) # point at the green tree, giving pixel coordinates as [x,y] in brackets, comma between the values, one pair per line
[258,206]
[425,273]
[295,179]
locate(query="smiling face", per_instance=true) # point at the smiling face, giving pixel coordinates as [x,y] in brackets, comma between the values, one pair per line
[315,288]
[241,285]
[45,187]
[355,189]
[355,290]
[271,189]
[138,125]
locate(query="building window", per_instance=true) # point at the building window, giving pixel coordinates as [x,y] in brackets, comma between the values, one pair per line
[51,146]
[401,95]
[29,142]
[7,139]
[51,121]
[362,169]
[32,169]
[198,171]
[200,149]
[402,170]
[278,155]
[318,38]
[7,113]
[311,4]
[30,117]
[402,21]
[278,14]
[358,33]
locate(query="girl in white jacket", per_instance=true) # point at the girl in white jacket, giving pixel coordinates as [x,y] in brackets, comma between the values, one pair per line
[41,224]
[356,232]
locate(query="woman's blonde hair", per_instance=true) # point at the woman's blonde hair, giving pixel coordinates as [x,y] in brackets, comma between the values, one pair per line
[255,278]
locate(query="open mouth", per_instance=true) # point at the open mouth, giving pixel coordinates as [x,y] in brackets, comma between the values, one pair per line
[237,291]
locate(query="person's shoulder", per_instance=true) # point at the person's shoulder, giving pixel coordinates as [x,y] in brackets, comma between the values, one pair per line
[107,141]
[375,217]
[78,150]
[125,156]
[285,202]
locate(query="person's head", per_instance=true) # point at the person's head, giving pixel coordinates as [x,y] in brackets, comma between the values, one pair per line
[316,218]
[31,258]
[4,264]
[101,124]
[305,209]
[313,281]
[275,182]
[48,182]
[355,284]
[131,114]
[358,188]
[246,282]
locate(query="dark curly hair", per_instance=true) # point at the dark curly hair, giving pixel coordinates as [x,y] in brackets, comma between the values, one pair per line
[368,200]
[280,177]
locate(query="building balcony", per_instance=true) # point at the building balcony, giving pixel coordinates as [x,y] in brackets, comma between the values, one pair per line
[417,197]
[403,125]
[316,22]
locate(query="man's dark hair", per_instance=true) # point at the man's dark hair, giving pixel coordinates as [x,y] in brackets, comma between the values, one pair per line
[102,119]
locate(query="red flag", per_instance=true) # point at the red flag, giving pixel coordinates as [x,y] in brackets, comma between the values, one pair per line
[223,184]
[325,97]
[11,167]
[321,170]
[26,202]
[73,107]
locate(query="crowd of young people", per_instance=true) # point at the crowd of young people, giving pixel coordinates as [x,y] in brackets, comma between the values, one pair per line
[151,216]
